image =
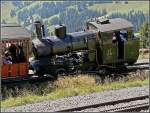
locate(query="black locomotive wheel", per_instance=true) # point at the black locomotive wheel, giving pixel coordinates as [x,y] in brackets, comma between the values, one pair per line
[102,71]
[39,73]
[60,73]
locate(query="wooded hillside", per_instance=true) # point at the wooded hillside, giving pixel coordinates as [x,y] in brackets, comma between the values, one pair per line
[73,14]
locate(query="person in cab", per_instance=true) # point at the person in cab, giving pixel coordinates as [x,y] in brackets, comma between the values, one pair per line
[123,36]
[13,51]
[7,58]
[21,56]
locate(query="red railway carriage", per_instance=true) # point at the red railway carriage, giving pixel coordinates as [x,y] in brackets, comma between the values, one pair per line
[15,42]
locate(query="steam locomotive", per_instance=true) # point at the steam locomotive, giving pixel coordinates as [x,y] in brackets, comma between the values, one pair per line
[93,49]
[105,43]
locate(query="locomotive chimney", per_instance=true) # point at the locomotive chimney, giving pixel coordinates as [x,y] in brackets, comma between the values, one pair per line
[60,31]
[39,29]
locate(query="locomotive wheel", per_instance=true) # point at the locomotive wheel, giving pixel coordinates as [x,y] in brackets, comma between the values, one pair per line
[102,71]
[60,72]
[40,74]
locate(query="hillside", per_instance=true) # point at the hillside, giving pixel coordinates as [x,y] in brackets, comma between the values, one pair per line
[122,7]
[5,12]
[73,14]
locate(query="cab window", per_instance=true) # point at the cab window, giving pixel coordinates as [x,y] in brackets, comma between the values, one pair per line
[107,37]
[131,35]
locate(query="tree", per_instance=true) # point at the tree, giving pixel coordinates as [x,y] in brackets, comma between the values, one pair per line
[104,12]
[13,13]
[144,29]
[144,34]
[18,4]
[3,21]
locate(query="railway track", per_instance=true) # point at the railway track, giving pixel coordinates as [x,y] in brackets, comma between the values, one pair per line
[134,107]
[123,70]
[137,107]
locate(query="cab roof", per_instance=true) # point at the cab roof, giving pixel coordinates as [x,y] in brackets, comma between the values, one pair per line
[14,31]
[113,25]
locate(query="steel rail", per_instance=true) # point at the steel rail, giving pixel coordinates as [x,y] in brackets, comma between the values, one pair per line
[119,72]
[103,104]
[143,63]
[132,108]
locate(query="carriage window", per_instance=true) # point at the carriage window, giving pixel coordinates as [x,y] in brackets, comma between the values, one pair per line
[13,53]
[7,58]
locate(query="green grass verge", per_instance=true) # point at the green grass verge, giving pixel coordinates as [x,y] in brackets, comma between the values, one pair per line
[71,90]
[143,56]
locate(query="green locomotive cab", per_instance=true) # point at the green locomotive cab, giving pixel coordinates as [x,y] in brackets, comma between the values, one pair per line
[116,41]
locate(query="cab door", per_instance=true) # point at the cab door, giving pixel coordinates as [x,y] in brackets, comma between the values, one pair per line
[132,46]
[109,49]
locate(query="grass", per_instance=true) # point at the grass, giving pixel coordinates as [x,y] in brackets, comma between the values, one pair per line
[73,86]
[143,55]
[122,8]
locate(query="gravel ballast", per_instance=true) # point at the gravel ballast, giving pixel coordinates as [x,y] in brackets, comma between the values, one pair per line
[76,101]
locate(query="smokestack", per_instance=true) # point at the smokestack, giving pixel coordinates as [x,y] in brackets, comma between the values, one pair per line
[39,29]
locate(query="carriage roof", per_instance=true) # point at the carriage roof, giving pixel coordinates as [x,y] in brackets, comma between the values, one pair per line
[14,32]
[113,25]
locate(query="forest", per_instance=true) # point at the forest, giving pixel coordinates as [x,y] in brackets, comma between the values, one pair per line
[73,14]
